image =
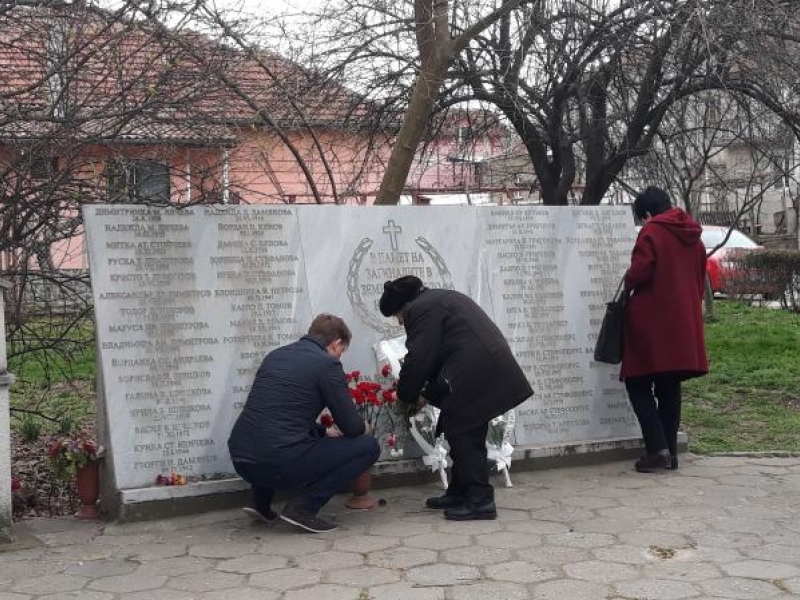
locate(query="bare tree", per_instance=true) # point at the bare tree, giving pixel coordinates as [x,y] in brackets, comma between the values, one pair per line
[151,103]
[438,47]
[399,53]
[74,100]
[720,159]
[586,84]
[115,106]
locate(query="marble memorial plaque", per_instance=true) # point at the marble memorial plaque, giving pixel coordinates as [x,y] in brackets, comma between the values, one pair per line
[187,304]
[350,252]
[548,273]
[189,301]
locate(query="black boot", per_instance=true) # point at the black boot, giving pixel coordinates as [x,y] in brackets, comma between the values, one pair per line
[653,463]
[468,511]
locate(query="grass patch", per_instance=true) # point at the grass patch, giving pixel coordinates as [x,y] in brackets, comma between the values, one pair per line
[55,387]
[60,406]
[46,352]
[750,400]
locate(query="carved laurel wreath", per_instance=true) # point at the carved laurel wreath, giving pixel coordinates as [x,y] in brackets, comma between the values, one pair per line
[367,314]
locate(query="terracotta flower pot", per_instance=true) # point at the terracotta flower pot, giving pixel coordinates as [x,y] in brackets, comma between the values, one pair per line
[361,487]
[87,482]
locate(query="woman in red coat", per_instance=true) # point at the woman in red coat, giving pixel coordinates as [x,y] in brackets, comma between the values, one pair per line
[664,340]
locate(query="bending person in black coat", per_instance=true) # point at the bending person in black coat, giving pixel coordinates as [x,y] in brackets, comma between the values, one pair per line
[459,361]
[276,442]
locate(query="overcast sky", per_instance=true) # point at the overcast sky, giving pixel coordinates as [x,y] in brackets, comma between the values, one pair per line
[275,6]
[253,6]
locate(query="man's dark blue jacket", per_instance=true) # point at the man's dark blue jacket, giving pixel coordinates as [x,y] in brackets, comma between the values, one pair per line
[292,386]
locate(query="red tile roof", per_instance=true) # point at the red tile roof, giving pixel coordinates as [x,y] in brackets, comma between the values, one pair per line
[78,72]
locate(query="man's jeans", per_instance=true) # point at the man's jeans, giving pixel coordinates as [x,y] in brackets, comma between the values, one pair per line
[324,470]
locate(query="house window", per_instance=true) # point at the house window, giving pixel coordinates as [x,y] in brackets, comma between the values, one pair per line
[138,181]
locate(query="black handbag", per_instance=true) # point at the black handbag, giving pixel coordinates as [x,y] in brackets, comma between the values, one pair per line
[608,348]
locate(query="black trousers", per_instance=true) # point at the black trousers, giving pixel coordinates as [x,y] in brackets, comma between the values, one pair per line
[656,400]
[325,470]
[470,472]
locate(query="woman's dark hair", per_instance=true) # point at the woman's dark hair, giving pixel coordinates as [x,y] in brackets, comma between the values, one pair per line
[329,328]
[651,200]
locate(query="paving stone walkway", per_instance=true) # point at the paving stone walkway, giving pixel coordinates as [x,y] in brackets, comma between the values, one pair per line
[718,528]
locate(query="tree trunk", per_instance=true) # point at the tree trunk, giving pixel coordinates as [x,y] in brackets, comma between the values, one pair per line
[415,120]
[708,302]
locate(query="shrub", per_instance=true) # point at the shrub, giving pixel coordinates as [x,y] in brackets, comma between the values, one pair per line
[30,428]
[781,268]
[775,274]
[65,425]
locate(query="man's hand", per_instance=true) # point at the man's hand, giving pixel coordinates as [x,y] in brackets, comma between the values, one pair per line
[333,432]
[367,428]
[421,401]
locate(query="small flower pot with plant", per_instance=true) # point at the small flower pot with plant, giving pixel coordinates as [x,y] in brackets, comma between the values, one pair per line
[78,457]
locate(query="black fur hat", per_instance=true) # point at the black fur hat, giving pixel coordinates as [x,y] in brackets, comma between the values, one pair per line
[398,293]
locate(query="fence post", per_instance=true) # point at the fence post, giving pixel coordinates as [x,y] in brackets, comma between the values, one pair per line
[6,379]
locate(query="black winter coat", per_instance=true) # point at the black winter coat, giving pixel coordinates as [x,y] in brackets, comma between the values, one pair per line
[449,337]
[292,386]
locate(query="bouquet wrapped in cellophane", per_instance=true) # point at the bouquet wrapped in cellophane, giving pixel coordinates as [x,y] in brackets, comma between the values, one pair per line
[498,443]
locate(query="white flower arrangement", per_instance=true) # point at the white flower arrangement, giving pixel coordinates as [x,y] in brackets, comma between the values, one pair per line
[422,425]
[498,443]
[423,430]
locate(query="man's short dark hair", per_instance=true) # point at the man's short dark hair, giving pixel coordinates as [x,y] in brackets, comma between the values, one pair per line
[329,328]
[651,200]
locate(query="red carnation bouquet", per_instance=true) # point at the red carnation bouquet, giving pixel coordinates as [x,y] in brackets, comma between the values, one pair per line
[372,398]
[376,402]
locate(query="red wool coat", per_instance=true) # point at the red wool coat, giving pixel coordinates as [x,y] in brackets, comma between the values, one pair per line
[664,322]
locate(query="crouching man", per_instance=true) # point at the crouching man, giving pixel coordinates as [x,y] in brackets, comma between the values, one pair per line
[276,442]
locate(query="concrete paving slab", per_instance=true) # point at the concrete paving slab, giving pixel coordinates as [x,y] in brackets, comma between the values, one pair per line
[719,527]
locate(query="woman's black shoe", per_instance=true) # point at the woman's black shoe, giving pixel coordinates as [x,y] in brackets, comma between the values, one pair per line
[652,463]
[442,502]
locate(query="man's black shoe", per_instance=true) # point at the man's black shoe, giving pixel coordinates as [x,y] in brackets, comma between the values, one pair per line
[269,517]
[673,463]
[472,512]
[304,519]
[653,463]
[442,502]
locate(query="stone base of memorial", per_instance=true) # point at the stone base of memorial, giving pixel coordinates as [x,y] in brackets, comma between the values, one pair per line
[169,501]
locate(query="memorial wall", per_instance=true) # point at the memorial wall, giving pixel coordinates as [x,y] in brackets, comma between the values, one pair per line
[188,301]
